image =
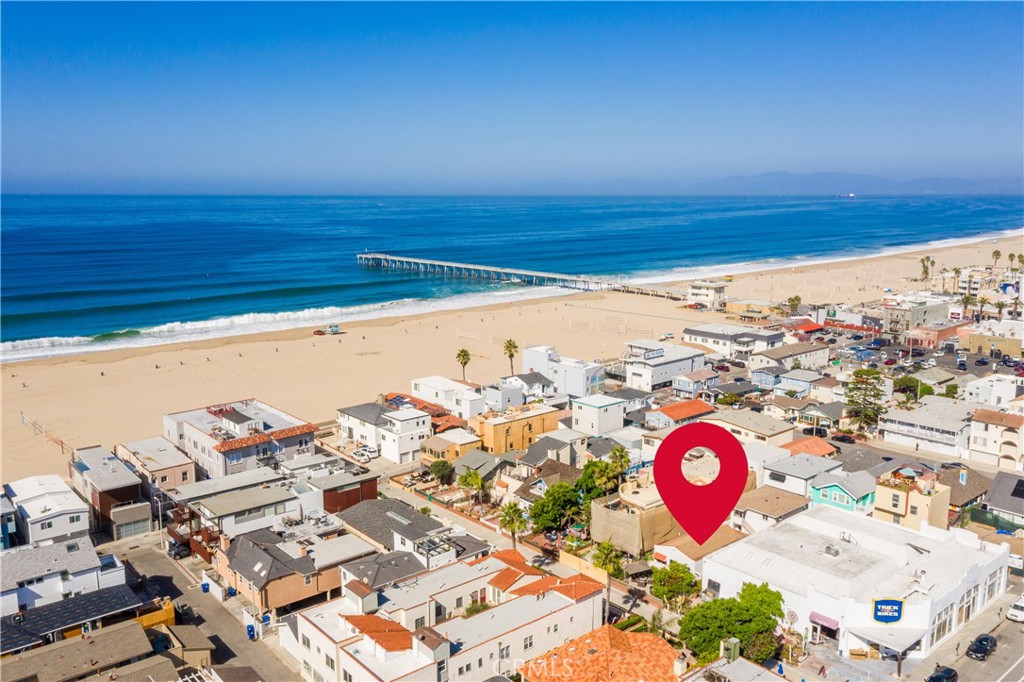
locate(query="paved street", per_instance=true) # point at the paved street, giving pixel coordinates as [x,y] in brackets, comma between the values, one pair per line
[213,619]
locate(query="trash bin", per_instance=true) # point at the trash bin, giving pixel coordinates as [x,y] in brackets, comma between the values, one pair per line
[231,592]
[251,631]
[206,587]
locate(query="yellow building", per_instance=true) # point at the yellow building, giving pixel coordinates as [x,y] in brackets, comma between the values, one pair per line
[909,498]
[515,429]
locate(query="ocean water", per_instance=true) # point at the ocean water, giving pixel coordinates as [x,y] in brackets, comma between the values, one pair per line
[82,273]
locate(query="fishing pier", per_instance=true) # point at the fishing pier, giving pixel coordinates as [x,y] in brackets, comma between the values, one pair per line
[384,261]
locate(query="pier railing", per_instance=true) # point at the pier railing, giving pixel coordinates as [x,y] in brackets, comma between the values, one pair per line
[384,261]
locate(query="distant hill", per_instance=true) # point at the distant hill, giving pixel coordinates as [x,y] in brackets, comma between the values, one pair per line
[830,184]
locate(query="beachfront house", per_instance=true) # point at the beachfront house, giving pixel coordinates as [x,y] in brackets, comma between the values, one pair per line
[113,490]
[161,465]
[575,378]
[460,398]
[732,340]
[707,291]
[231,437]
[361,424]
[649,365]
[47,509]
[749,426]
[449,446]
[402,434]
[515,429]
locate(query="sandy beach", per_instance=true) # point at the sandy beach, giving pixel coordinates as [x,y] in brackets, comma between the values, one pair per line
[118,396]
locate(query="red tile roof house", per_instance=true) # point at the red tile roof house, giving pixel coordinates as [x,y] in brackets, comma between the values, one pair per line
[417,628]
[677,414]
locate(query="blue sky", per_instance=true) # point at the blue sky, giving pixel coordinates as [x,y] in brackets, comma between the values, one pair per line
[453,98]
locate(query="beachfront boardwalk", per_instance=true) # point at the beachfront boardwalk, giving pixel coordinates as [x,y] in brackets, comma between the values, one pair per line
[384,261]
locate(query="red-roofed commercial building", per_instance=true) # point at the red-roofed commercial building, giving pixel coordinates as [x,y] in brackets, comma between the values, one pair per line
[606,655]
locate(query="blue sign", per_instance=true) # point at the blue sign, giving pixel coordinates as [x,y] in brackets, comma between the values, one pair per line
[888,610]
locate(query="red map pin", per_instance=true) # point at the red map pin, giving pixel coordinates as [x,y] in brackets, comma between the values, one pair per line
[700,509]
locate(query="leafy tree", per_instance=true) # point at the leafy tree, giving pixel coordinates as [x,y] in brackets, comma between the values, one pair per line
[472,480]
[791,393]
[1000,306]
[755,610]
[511,349]
[728,399]
[673,583]
[951,390]
[556,505]
[925,262]
[513,519]
[794,304]
[657,623]
[597,480]
[797,364]
[996,255]
[864,398]
[760,646]
[619,459]
[425,511]
[442,471]
[463,357]
[608,558]
[912,386]
[476,607]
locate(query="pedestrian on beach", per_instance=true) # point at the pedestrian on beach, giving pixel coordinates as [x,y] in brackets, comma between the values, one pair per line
[958,648]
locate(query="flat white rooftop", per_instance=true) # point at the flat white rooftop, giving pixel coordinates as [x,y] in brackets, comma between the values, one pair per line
[419,590]
[103,469]
[465,633]
[459,436]
[214,486]
[157,453]
[203,419]
[598,400]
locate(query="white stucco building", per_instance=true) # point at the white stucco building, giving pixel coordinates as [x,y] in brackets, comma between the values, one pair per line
[941,425]
[733,340]
[402,433]
[575,378]
[36,575]
[650,365]
[461,399]
[46,508]
[597,415]
[831,566]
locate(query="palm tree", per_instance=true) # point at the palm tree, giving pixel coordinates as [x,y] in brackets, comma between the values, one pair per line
[463,357]
[982,302]
[967,300]
[944,272]
[1015,304]
[619,458]
[604,476]
[472,480]
[956,275]
[1012,257]
[924,267]
[608,558]
[1000,306]
[996,255]
[511,349]
[513,519]
[794,304]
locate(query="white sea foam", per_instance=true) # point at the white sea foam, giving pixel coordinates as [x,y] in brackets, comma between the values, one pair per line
[255,323]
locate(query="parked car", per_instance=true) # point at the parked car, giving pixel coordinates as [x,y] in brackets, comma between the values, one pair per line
[738,364]
[1016,611]
[696,306]
[873,365]
[722,368]
[833,340]
[953,465]
[890,361]
[361,457]
[844,438]
[981,647]
[943,674]
[917,352]
[981,362]
[962,365]
[815,431]
[179,551]
[857,337]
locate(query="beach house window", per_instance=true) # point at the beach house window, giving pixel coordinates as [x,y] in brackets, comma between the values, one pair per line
[504,652]
[420,622]
[330,661]
[527,643]
[458,602]
[306,667]
[163,479]
[307,579]
[305,642]
[184,475]
[913,509]
[46,525]
[895,501]
[75,518]
[346,676]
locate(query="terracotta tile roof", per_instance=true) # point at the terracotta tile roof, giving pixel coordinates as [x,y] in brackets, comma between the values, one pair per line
[358,588]
[538,586]
[578,587]
[606,655]
[505,578]
[447,423]
[293,431]
[236,443]
[513,559]
[812,445]
[687,409]
[1014,421]
[258,438]
[389,635]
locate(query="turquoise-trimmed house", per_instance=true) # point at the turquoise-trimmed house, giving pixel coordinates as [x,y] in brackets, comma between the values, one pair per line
[850,492]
